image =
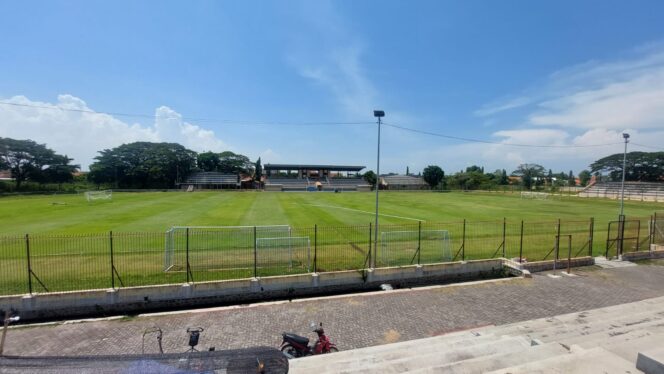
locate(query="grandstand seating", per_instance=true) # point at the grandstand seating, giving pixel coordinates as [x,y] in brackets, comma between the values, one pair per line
[642,191]
[405,182]
[328,184]
[212,180]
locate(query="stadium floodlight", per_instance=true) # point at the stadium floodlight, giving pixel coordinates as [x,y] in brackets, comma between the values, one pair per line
[622,185]
[378,114]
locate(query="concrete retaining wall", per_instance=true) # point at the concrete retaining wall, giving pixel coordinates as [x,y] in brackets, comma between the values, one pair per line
[273,187]
[141,299]
[655,253]
[537,266]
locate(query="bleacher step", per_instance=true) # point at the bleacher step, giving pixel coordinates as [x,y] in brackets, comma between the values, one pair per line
[394,350]
[596,360]
[496,361]
[401,361]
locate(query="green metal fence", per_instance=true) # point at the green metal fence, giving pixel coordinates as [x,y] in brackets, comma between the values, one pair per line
[56,263]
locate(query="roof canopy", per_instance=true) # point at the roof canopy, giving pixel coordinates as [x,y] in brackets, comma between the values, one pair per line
[312,167]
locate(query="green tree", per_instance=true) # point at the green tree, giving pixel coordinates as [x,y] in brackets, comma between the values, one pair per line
[407,171]
[571,181]
[235,163]
[143,165]
[28,160]
[370,177]
[433,175]
[208,161]
[529,174]
[640,166]
[258,170]
[584,177]
[504,180]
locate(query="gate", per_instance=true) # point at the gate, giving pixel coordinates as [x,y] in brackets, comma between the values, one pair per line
[622,237]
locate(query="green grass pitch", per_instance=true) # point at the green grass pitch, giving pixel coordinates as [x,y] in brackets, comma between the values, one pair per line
[52,220]
[148,211]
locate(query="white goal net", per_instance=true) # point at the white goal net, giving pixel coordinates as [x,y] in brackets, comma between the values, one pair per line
[400,247]
[534,195]
[98,195]
[216,246]
[280,253]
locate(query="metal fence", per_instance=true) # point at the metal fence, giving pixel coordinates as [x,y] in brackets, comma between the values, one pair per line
[55,263]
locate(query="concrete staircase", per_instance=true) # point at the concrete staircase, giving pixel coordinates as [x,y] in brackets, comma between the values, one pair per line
[606,340]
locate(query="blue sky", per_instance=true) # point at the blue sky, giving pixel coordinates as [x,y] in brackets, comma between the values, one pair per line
[205,73]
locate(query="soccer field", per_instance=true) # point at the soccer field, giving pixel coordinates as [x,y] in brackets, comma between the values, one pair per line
[70,242]
[157,211]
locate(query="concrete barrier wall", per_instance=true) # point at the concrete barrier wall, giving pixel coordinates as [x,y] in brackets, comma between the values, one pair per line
[273,187]
[644,255]
[537,266]
[141,299]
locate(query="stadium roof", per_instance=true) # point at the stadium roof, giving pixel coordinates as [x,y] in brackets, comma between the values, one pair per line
[312,167]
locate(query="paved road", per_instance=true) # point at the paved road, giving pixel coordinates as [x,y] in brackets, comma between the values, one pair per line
[356,320]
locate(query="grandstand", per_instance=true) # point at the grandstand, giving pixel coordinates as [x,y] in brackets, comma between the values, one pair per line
[211,180]
[404,182]
[299,177]
[640,191]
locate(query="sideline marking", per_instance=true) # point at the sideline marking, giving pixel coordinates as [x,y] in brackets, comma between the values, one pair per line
[364,211]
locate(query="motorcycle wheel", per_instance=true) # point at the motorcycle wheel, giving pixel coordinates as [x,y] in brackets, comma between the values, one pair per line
[333,350]
[290,350]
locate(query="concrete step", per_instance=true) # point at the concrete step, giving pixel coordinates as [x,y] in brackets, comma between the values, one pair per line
[651,361]
[596,360]
[496,361]
[444,342]
[619,335]
[591,321]
[628,345]
[409,361]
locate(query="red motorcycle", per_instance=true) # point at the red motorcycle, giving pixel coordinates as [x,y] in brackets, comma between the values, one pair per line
[294,346]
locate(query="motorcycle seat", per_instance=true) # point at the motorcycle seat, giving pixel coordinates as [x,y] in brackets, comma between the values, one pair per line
[296,338]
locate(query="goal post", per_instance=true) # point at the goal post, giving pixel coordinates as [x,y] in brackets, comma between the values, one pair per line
[98,195]
[285,252]
[216,246]
[534,195]
[400,247]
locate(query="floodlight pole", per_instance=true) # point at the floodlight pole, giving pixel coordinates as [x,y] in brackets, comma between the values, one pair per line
[378,114]
[622,185]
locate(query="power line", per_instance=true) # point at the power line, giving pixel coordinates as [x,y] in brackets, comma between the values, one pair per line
[192,119]
[225,122]
[647,146]
[471,140]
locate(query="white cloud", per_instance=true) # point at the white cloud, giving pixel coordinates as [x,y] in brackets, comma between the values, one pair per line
[81,134]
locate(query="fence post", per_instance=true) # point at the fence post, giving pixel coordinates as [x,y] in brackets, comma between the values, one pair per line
[463,242]
[255,255]
[110,238]
[370,262]
[569,253]
[621,235]
[638,235]
[651,232]
[521,245]
[315,248]
[419,240]
[504,228]
[187,252]
[592,234]
[27,250]
[555,257]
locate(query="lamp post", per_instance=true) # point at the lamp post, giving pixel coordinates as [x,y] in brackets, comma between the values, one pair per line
[622,185]
[378,114]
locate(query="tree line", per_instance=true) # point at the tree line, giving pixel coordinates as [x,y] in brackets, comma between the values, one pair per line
[163,165]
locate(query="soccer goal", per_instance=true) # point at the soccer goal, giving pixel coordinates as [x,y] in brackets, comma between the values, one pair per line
[279,253]
[98,195]
[400,247]
[534,195]
[216,246]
